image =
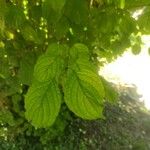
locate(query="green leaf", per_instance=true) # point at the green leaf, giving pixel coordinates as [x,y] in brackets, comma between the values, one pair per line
[35,12]
[3,9]
[137,3]
[14,86]
[42,103]
[57,50]
[136,49]
[47,67]
[52,10]
[143,21]
[2,25]
[6,117]
[84,92]
[30,34]
[16,98]
[91,81]
[51,64]
[57,5]
[77,11]
[79,51]
[61,27]
[26,68]
[4,67]
[15,17]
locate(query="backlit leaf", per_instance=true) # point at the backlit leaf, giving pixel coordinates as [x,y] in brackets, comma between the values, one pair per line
[79,51]
[50,64]
[84,92]
[42,103]
[47,67]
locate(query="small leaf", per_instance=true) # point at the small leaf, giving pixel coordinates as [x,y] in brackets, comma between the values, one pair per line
[14,86]
[56,50]
[26,68]
[3,9]
[6,117]
[30,34]
[52,10]
[47,67]
[136,49]
[42,103]
[143,21]
[51,64]
[77,11]
[61,27]
[15,17]
[57,5]
[79,51]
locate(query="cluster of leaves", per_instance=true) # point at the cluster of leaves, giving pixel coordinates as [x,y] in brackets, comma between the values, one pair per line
[126,127]
[80,85]
[53,47]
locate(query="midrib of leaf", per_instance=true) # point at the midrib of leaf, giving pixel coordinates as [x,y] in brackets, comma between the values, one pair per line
[84,90]
[41,98]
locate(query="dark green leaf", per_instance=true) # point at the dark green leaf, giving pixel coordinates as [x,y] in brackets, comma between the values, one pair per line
[77,11]
[52,10]
[6,117]
[30,34]
[15,17]
[26,68]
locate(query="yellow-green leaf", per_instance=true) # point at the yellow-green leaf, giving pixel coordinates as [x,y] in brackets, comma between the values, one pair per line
[84,93]
[42,103]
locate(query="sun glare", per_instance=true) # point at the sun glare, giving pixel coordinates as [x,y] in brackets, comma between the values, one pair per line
[132,69]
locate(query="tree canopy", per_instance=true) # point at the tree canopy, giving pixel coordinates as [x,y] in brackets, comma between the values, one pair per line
[50,51]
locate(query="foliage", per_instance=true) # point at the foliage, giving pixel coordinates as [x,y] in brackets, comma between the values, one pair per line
[53,48]
[126,127]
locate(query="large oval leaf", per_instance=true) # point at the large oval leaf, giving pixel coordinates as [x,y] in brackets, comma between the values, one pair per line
[42,103]
[84,94]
